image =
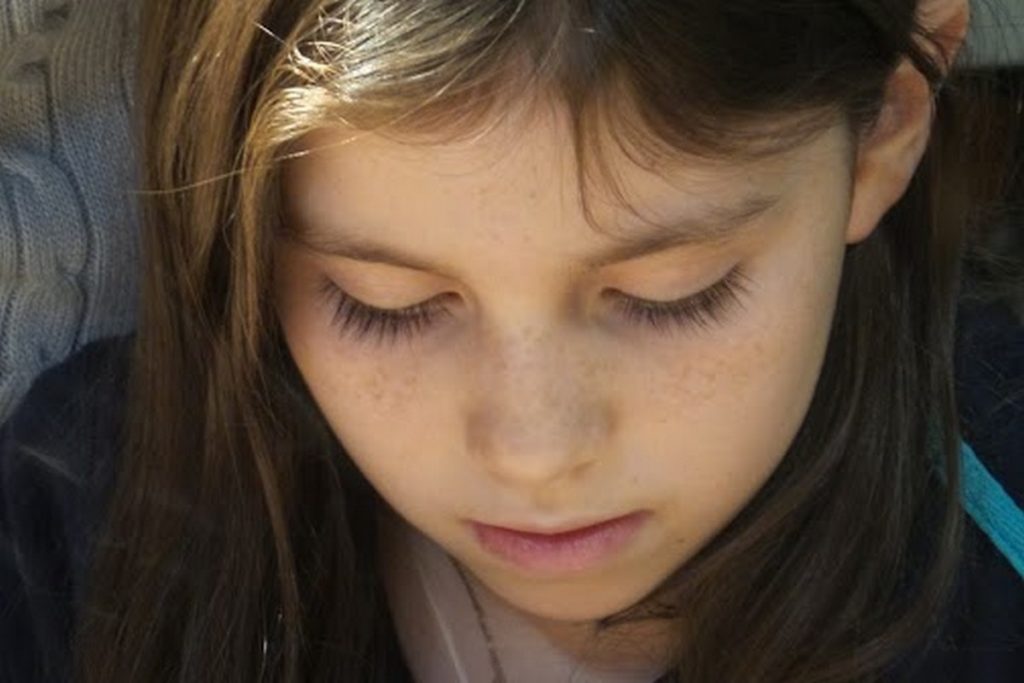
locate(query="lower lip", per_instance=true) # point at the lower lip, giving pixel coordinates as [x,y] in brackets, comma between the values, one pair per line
[571,551]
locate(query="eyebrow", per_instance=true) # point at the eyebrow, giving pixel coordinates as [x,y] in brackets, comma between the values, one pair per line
[715,225]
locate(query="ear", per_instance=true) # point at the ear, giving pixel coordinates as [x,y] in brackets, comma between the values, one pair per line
[889,154]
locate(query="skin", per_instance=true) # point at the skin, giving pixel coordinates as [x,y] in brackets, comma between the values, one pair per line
[535,401]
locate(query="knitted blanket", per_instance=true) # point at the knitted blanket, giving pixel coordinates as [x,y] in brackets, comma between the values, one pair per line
[68,219]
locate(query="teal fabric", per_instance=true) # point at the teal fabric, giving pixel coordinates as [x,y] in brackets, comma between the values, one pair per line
[992,508]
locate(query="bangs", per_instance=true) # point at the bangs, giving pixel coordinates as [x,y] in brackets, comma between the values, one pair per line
[430,74]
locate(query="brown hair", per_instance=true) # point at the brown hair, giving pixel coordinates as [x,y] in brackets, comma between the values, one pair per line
[239,543]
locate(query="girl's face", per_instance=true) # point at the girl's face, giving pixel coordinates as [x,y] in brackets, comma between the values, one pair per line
[526,391]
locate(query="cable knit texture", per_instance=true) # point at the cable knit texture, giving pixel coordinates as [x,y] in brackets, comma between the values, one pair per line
[68,217]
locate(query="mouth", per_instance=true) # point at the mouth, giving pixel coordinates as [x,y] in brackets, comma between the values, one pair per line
[562,551]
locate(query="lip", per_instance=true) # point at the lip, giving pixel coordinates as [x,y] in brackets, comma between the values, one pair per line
[562,551]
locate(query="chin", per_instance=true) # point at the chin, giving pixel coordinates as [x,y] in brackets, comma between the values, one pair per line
[570,600]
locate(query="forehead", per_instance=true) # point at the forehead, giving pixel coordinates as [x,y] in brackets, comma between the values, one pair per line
[530,151]
[524,173]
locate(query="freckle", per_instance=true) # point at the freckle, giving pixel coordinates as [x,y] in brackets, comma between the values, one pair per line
[697,383]
[374,387]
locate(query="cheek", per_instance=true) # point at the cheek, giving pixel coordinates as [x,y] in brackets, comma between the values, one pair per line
[372,407]
[343,377]
[385,420]
[717,420]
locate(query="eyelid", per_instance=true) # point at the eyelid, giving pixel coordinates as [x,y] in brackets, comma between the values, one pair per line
[330,287]
[667,278]
[734,279]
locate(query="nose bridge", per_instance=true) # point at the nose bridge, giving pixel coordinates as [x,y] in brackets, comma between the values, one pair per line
[539,411]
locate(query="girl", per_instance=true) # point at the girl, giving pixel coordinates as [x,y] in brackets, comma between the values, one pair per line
[535,341]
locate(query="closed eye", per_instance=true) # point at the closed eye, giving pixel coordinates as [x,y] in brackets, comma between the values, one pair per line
[702,310]
[698,311]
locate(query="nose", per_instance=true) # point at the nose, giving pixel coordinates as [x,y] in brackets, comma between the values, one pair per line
[538,412]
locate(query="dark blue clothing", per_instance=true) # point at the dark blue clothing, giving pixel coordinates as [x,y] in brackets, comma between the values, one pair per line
[55,476]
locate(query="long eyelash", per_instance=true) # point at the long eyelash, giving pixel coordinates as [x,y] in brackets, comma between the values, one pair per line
[702,310]
[351,315]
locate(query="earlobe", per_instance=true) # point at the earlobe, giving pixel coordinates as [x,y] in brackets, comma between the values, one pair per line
[888,155]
